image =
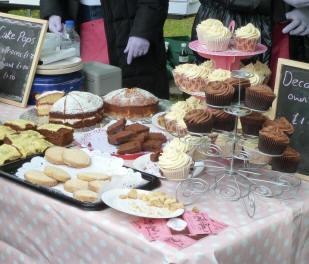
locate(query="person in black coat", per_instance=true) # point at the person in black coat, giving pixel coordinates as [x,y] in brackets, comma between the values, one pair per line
[242,12]
[123,19]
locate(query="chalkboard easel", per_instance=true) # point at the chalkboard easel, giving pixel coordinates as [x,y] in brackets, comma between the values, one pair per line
[292,102]
[21,39]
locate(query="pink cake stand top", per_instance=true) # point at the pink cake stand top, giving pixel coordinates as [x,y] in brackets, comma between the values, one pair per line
[199,48]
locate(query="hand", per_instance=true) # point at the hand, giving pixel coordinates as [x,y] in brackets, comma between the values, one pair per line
[299,22]
[55,25]
[297,3]
[136,47]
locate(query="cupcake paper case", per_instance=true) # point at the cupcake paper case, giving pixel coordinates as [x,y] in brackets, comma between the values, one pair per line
[288,162]
[219,93]
[246,38]
[259,97]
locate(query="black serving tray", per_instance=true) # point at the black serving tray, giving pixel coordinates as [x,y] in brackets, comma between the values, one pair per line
[8,171]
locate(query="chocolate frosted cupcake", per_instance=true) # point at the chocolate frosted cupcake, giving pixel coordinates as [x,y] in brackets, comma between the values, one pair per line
[259,97]
[272,140]
[244,84]
[199,120]
[223,120]
[288,162]
[219,93]
[282,123]
[253,123]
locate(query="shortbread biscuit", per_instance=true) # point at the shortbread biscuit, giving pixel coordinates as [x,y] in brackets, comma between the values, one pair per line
[92,176]
[74,185]
[75,158]
[57,173]
[54,155]
[95,185]
[39,177]
[85,196]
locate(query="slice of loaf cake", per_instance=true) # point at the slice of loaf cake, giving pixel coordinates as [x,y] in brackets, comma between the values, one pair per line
[45,101]
[57,134]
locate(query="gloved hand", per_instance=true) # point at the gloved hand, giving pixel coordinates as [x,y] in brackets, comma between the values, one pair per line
[136,47]
[55,25]
[297,3]
[299,22]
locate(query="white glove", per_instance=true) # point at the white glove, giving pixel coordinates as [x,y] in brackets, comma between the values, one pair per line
[55,25]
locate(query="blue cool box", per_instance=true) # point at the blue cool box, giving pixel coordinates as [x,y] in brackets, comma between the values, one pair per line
[65,82]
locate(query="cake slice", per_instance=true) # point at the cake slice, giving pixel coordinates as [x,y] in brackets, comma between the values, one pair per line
[129,147]
[120,137]
[59,135]
[5,131]
[152,145]
[157,136]
[116,127]
[8,153]
[137,128]
[20,124]
[45,101]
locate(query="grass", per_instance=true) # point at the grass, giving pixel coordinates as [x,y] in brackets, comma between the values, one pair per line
[172,27]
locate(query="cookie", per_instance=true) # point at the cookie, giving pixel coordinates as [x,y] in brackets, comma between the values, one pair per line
[75,158]
[39,177]
[54,155]
[85,196]
[95,185]
[57,173]
[74,185]
[92,176]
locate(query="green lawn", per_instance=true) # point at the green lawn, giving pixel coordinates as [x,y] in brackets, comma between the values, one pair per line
[172,27]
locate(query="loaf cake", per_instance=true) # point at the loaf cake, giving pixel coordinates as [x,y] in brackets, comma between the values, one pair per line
[45,101]
[59,135]
[77,109]
[134,102]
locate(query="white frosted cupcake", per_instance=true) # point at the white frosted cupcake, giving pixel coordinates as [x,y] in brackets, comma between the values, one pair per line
[213,34]
[263,70]
[175,164]
[219,75]
[179,145]
[247,37]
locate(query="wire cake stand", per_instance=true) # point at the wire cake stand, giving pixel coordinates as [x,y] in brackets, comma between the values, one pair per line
[235,178]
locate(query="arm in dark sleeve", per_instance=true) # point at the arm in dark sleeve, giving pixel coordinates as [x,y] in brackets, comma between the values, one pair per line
[149,19]
[251,6]
[51,7]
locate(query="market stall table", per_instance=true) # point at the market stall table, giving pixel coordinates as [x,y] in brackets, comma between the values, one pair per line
[38,229]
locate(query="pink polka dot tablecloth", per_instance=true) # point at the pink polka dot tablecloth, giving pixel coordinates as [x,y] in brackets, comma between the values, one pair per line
[37,229]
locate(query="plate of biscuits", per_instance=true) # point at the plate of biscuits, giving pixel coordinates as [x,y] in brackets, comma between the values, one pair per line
[143,203]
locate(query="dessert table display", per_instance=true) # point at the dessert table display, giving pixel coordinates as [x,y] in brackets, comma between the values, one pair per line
[37,228]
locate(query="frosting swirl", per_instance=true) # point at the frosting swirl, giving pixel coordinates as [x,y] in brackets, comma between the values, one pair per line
[198,116]
[290,153]
[178,145]
[213,28]
[219,75]
[282,123]
[172,159]
[256,79]
[195,103]
[249,31]
[209,64]
[219,88]
[275,133]
[220,114]
[263,89]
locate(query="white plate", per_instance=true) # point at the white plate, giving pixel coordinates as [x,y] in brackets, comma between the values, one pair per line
[60,70]
[155,122]
[65,63]
[129,206]
[143,163]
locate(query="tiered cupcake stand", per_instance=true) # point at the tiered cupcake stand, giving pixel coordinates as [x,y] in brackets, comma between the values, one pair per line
[236,178]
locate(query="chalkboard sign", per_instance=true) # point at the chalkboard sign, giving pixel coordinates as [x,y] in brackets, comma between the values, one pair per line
[21,39]
[292,102]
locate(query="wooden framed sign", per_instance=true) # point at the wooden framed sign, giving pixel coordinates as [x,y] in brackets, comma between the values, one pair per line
[292,102]
[21,39]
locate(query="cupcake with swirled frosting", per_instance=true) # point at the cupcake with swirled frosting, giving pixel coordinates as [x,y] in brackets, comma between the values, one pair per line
[219,93]
[199,120]
[272,140]
[288,162]
[259,97]
[282,123]
[223,120]
[213,35]
[247,37]
[219,75]
[175,164]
